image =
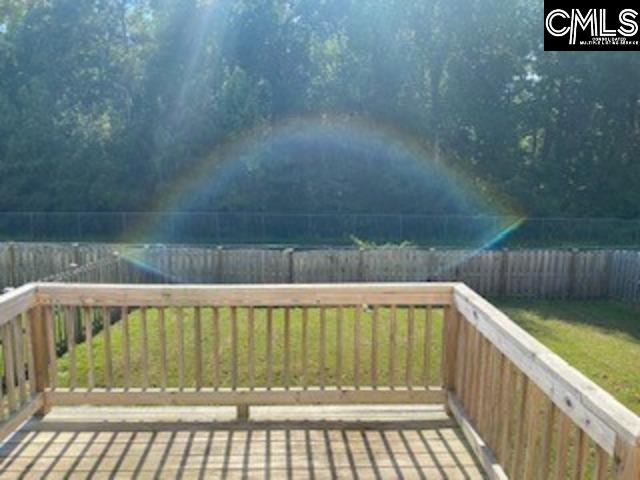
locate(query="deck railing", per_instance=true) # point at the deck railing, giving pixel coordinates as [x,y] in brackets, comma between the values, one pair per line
[526,413]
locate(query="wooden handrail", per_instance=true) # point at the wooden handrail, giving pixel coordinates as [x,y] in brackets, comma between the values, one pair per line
[246,295]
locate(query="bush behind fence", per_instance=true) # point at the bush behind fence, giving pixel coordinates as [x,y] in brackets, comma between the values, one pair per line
[306,229]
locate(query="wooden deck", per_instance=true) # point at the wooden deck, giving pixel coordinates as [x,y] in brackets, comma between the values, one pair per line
[298,442]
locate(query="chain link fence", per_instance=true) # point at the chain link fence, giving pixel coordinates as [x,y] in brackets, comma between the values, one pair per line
[317,229]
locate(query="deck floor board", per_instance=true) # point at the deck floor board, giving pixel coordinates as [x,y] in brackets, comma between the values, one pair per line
[306,443]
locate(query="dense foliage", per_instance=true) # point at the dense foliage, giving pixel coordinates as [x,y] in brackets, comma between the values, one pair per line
[104,103]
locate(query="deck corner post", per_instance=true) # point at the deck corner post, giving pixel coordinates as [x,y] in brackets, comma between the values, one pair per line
[39,347]
[627,460]
[450,353]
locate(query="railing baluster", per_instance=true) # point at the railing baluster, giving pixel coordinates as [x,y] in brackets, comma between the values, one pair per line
[3,408]
[580,452]
[145,347]
[9,377]
[126,346]
[532,450]
[50,346]
[19,355]
[31,369]
[549,417]
[356,345]
[287,346]
[269,348]
[562,447]
[426,357]
[374,347]
[197,325]
[323,347]
[392,347]
[179,338]
[601,466]
[505,449]
[215,329]
[234,348]
[252,347]
[88,335]
[305,348]
[339,322]
[408,372]
[162,330]
[108,363]
[71,345]
[521,412]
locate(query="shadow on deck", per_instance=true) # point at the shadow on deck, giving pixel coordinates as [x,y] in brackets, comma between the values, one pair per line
[315,443]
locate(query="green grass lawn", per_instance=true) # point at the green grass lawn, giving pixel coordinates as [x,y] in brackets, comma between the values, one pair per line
[599,338]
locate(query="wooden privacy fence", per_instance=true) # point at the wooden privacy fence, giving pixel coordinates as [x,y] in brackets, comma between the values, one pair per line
[518,273]
[526,413]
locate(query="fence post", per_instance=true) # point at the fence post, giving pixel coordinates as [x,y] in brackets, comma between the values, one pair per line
[361,277]
[291,274]
[504,272]
[219,265]
[573,270]
[39,347]
[12,265]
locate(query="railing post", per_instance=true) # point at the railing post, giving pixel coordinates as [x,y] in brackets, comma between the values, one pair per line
[242,413]
[450,353]
[39,347]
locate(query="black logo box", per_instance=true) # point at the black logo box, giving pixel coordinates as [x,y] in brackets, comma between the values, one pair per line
[576,28]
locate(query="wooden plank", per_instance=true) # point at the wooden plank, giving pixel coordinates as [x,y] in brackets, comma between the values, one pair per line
[322,364]
[144,327]
[408,368]
[88,335]
[339,322]
[247,295]
[126,346]
[234,347]
[305,347]
[18,338]
[374,347]
[71,345]
[594,410]
[427,348]
[287,347]
[580,452]
[269,348]
[52,354]
[179,339]
[215,329]
[601,467]
[483,453]
[356,345]
[245,396]
[108,363]
[392,346]
[162,331]
[251,352]
[9,367]
[562,448]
